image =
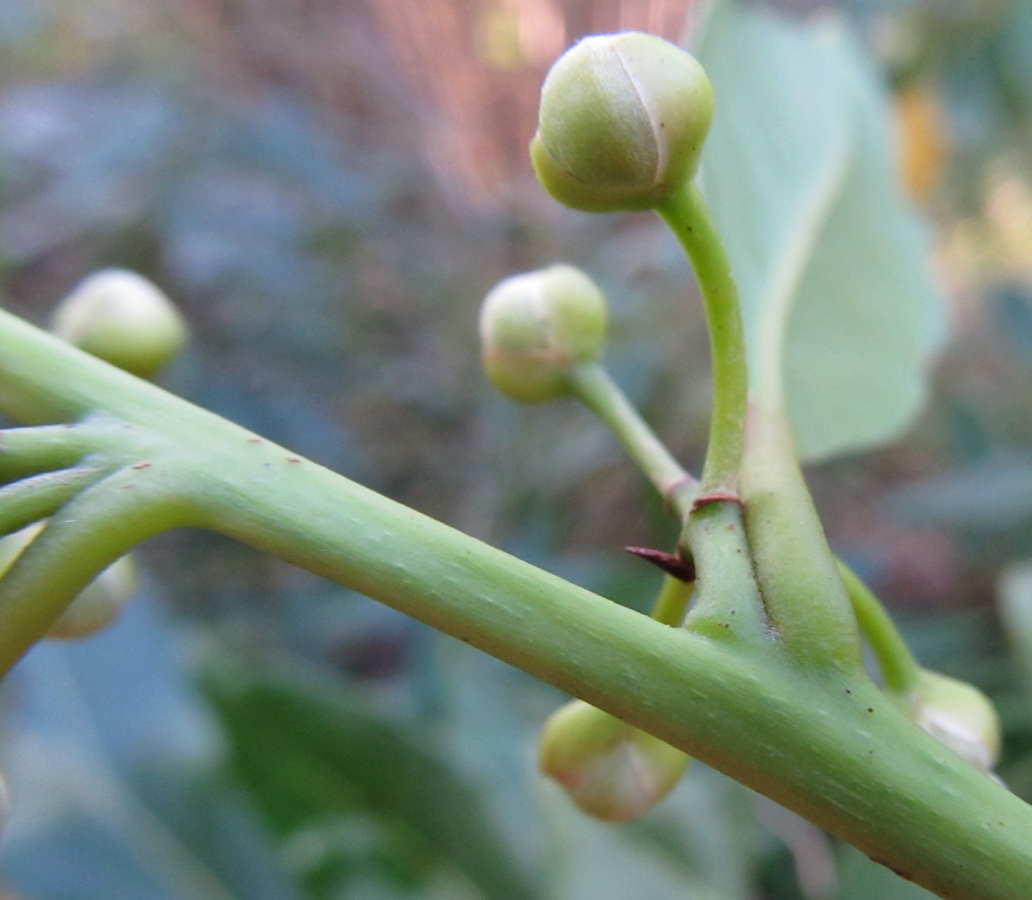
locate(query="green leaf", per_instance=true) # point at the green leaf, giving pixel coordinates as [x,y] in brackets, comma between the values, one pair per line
[119,799]
[324,768]
[842,318]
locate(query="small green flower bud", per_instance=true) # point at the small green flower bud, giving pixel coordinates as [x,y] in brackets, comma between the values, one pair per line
[957,714]
[610,769]
[122,318]
[622,121]
[535,328]
[99,603]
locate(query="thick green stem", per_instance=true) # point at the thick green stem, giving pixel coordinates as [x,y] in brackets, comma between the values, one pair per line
[830,747]
[686,214]
[898,666]
[593,386]
[728,606]
[826,744]
[802,591]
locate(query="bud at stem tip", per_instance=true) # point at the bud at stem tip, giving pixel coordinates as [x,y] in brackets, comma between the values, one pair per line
[622,122]
[535,328]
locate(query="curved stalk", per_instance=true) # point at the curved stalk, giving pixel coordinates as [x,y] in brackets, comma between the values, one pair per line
[88,534]
[686,214]
[35,498]
[898,666]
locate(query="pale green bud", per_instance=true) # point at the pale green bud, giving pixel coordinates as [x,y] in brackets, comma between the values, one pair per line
[610,769]
[122,318]
[99,603]
[622,121]
[535,328]
[958,715]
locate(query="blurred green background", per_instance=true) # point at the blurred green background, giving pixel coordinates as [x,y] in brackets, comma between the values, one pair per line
[328,188]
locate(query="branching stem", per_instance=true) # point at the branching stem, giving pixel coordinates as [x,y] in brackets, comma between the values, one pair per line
[823,741]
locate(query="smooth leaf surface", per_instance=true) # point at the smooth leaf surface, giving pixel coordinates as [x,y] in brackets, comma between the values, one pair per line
[830,263]
[312,759]
[113,765]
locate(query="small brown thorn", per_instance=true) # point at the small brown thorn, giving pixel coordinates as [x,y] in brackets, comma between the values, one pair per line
[670,563]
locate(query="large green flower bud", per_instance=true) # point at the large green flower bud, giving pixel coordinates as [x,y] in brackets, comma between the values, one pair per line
[610,769]
[622,121]
[957,714]
[535,328]
[122,318]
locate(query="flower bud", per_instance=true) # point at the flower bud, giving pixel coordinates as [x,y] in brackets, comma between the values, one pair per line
[610,769]
[122,318]
[99,603]
[621,124]
[958,715]
[535,328]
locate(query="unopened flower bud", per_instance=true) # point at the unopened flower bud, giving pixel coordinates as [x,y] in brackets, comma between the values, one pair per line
[99,603]
[610,769]
[122,318]
[622,121]
[957,714]
[535,328]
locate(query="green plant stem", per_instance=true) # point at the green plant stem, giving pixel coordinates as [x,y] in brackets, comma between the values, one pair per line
[686,214]
[898,666]
[35,498]
[86,535]
[728,606]
[802,591]
[828,745]
[594,387]
[672,602]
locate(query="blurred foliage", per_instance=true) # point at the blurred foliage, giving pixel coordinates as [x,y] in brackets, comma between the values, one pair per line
[264,163]
[829,262]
